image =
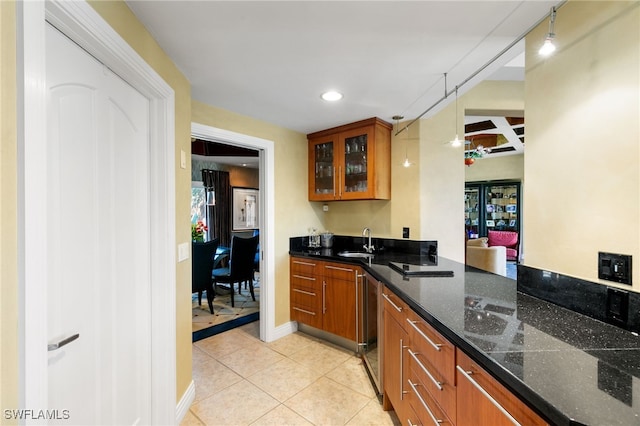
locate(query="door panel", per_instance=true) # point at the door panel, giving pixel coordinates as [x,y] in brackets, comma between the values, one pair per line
[98,239]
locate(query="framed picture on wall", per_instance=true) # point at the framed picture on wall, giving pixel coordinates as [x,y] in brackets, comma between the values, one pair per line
[490,224]
[245,209]
[511,208]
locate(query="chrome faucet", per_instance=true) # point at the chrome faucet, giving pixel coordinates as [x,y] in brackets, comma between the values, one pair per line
[369,248]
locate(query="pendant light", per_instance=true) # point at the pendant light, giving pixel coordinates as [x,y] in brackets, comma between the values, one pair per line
[456,142]
[406,162]
[549,47]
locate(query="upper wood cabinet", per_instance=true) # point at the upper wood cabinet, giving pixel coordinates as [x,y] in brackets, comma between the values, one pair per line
[351,162]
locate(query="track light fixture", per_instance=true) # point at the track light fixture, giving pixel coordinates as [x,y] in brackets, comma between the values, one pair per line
[548,46]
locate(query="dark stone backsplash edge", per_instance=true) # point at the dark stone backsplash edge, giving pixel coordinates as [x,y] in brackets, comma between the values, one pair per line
[382,245]
[578,295]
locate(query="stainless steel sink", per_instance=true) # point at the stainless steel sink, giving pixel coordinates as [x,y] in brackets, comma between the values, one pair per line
[360,254]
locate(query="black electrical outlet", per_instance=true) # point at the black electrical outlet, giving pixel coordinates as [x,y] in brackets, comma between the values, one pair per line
[614,267]
[405,232]
[617,306]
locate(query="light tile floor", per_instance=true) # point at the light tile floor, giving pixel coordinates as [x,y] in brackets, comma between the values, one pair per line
[296,380]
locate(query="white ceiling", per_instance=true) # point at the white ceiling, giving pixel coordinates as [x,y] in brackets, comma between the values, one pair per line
[272,60]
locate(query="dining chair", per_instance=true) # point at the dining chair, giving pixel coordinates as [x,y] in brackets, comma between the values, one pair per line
[202,257]
[241,265]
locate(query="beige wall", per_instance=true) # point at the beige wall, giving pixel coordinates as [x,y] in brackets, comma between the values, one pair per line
[582,152]
[8,211]
[496,168]
[293,212]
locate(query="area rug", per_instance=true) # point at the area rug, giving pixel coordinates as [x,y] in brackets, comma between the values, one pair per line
[245,310]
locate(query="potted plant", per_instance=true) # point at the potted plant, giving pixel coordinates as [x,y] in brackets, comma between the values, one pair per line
[197,231]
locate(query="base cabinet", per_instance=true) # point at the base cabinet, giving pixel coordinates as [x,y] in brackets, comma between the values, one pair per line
[394,368]
[324,295]
[492,403]
[427,380]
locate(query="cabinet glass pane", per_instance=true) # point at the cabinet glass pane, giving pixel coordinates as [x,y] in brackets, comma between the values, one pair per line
[472,212]
[502,207]
[324,168]
[355,163]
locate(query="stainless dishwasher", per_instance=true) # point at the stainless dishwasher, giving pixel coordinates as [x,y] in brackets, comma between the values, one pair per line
[371,330]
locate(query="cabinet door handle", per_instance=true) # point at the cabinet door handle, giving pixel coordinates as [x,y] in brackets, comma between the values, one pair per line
[324,304]
[436,421]
[305,311]
[297,262]
[433,379]
[304,278]
[308,293]
[340,182]
[397,308]
[436,346]
[467,375]
[338,268]
[334,182]
[401,369]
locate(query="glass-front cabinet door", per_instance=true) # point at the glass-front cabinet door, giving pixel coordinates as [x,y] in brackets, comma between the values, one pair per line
[322,173]
[472,207]
[355,167]
[351,162]
[501,203]
[491,206]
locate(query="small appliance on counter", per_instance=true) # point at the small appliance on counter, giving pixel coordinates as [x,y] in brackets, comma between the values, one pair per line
[314,238]
[326,239]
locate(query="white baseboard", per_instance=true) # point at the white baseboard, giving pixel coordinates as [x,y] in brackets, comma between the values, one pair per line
[185,402]
[284,330]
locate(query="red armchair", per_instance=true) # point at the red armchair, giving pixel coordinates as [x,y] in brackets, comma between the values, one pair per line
[508,239]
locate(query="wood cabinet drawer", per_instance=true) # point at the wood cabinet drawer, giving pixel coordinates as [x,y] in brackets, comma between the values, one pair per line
[432,347]
[307,315]
[306,296]
[492,403]
[442,391]
[423,404]
[310,282]
[396,307]
[305,266]
[341,271]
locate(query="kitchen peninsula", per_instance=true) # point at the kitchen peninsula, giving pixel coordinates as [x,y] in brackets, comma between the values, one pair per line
[566,367]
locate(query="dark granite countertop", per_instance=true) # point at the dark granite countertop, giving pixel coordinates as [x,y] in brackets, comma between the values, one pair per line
[568,367]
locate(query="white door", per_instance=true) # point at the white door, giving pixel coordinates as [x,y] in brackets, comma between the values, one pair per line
[98,240]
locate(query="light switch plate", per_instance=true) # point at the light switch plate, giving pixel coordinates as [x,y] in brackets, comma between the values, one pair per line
[614,267]
[183,252]
[183,159]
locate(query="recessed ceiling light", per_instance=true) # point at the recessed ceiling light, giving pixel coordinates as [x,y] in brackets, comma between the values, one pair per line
[331,96]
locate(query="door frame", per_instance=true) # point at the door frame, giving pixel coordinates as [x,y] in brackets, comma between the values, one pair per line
[266,215]
[81,23]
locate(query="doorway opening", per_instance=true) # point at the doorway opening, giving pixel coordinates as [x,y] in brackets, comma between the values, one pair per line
[224,204]
[493,189]
[265,218]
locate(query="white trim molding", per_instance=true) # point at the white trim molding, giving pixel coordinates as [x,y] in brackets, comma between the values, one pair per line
[182,408]
[81,23]
[267,216]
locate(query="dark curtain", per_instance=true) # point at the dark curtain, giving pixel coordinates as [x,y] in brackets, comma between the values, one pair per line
[219,215]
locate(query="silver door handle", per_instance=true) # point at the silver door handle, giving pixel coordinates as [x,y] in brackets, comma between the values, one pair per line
[61,343]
